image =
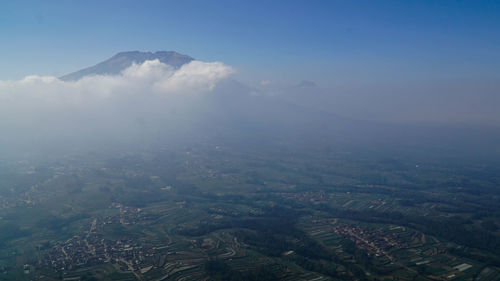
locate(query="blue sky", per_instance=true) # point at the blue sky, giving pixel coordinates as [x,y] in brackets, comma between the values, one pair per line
[324,41]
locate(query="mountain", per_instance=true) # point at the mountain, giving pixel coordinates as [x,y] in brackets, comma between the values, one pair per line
[122,60]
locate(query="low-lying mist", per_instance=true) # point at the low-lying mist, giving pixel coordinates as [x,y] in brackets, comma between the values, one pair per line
[153,104]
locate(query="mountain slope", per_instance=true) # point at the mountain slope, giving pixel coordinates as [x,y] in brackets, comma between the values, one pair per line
[123,60]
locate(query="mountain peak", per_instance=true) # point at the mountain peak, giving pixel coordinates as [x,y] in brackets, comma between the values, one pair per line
[122,60]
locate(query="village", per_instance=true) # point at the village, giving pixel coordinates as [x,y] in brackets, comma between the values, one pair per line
[91,248]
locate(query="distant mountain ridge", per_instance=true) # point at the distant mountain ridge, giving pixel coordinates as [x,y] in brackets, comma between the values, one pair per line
[122,60]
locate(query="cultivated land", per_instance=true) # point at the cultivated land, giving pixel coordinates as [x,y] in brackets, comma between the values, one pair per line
[217,212]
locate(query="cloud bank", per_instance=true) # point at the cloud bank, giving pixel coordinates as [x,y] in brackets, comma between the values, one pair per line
[45,107]
[149,78]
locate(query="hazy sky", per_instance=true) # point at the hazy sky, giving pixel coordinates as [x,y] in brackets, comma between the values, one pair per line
[397,61]
[330,42]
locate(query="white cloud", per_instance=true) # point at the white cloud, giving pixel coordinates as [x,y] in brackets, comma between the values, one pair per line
[150,91]
[149,78]
[192,76]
